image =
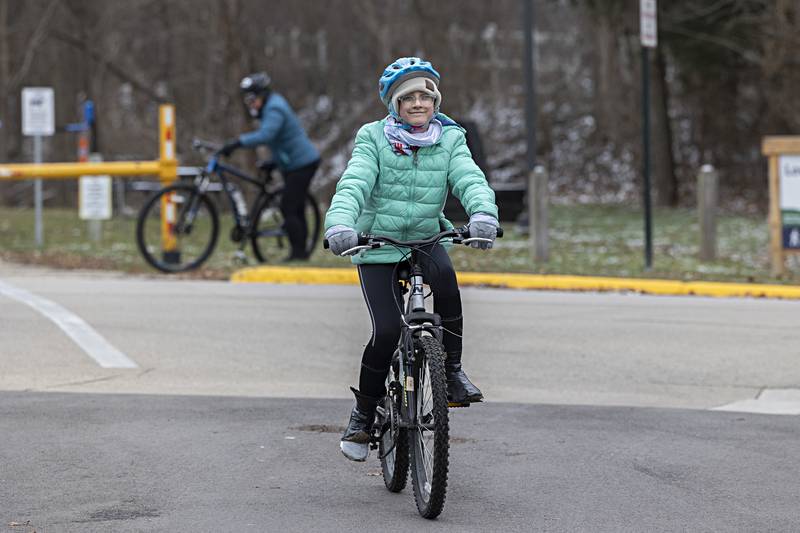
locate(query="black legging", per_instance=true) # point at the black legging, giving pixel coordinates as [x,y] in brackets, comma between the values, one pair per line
[293,204]
[381,290]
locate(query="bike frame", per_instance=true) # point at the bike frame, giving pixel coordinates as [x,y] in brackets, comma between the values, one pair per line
[215,168]
[416,321]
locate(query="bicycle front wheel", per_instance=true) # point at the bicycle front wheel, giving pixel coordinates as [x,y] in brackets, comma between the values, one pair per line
[177,229]
[269,237]
[393,444]
[429,440]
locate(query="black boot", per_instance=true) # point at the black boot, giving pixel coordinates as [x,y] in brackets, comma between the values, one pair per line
[355,440]
[459,388]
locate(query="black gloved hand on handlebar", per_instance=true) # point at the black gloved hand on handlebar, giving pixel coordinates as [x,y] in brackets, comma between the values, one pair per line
[229,147]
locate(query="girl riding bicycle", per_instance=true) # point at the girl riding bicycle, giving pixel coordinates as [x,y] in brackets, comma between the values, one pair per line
[395,185]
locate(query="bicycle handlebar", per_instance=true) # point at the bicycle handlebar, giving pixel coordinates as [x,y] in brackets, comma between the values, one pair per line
[459,235]
[205,146]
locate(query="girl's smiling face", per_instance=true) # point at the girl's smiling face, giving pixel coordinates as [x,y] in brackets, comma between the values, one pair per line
[416,109]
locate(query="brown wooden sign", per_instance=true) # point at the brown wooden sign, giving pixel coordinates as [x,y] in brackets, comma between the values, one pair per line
[784,198]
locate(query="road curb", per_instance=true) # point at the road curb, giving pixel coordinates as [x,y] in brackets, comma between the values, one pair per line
[349,276]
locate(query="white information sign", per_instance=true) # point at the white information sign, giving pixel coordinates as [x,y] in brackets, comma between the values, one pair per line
[789,186]
[95,197]
[648,22]
[38,111]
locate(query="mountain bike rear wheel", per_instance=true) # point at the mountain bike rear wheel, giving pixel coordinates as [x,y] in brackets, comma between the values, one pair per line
[393,444]
[269,237]
[184,238]
[429,441]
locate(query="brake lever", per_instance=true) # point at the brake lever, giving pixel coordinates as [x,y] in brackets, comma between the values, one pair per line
[474,239]
[355,249]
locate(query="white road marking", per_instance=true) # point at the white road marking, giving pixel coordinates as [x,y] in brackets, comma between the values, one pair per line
[770,401]
[74,326]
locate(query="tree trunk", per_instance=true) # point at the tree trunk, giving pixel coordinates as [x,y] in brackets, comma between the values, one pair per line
[604,74]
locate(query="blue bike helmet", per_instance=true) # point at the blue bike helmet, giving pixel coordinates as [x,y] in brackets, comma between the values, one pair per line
[400,70]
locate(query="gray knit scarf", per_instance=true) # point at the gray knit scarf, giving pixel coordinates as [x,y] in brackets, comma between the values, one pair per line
[402,136]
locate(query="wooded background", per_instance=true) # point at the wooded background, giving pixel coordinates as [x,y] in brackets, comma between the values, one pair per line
[725,74]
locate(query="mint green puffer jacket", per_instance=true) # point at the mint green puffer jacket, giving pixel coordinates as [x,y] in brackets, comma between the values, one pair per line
[401,196]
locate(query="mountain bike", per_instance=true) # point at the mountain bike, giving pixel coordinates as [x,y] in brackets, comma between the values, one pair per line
[411,424]
[186,236]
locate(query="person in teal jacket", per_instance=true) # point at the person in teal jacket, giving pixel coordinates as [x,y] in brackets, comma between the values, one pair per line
[395,185]
[292,153]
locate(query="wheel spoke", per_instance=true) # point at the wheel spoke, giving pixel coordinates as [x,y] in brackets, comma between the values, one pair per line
[193,229]
[430,449]
[427,456]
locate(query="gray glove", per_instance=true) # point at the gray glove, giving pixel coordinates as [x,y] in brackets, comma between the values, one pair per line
[341,238]
[483,226]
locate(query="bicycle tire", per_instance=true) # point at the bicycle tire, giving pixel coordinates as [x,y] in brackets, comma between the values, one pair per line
[193,246]
[267,235]
[429,462]
[393,444]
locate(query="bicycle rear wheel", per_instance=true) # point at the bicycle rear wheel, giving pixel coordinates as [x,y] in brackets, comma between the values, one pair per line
[191,231]
[269,238]
[393,444]
[429,441]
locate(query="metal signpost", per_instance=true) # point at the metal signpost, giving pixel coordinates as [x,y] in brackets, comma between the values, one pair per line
[649,38]
[530,94]
[38,120]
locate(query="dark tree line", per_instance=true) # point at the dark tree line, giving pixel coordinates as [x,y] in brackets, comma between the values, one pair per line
[725,74]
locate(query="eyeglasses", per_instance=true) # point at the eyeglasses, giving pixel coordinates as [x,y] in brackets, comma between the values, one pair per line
[424,99]
[249,98]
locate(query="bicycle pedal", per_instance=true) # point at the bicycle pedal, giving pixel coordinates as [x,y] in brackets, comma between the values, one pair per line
[454,404]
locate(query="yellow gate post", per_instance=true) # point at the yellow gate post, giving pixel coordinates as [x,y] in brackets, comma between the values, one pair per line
[775,148]
[169,171]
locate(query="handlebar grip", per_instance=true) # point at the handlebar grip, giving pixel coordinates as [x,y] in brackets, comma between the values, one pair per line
[465,232]
[363,240]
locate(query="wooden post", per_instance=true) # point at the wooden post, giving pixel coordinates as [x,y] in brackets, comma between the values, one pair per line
[538,200]
[707,197]
[775,226]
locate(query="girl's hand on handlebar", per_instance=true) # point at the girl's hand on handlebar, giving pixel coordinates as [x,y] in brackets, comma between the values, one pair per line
[341,238]
[483,226]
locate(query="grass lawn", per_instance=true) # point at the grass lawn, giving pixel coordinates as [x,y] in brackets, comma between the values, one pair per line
[594,240]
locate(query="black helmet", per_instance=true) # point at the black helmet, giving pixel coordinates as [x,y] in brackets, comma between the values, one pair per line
[256,83]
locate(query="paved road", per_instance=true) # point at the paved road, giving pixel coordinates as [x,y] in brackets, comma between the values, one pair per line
[175,444]
[98,463]
[214,338]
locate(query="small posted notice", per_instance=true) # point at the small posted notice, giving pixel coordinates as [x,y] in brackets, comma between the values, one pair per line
[95,197]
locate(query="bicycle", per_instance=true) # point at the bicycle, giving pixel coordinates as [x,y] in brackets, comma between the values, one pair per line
[411,426]
[187,237]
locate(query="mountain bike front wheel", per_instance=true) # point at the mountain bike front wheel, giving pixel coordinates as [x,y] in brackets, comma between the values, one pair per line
[429,441]
[177,229]
[393,443]
[269,237]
